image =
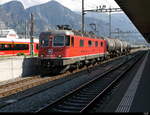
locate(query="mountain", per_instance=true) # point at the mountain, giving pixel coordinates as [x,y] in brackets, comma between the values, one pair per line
[46,16]
[53,13]
[49,15]
[13,15]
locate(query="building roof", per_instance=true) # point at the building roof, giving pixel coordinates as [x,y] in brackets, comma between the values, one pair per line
[138,13]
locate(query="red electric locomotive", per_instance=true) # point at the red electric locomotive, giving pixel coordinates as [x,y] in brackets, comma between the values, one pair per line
[60,50]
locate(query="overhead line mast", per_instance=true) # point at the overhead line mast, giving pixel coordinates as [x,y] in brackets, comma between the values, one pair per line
[82,15]
[31,35]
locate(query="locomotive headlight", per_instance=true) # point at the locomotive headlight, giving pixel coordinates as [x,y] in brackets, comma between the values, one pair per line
[42,56]
[59,56]
[49,51]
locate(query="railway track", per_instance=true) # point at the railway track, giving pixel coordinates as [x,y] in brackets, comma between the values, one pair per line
[9,88]
[83,97]
[6,102]
[11,100]
[23,84]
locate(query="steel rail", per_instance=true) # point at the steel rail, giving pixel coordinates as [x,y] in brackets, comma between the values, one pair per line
[12,88]
[85,109]
[30,85]
[46,80]
[72,93]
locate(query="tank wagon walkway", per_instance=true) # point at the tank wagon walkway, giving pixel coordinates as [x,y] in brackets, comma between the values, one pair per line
[137,94]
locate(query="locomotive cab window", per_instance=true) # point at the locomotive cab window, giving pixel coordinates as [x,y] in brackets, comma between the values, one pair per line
[58,41]
[44,40]
[67,41]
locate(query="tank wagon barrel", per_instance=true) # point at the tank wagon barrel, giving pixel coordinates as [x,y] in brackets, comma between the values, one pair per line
[117,47]
[110,44]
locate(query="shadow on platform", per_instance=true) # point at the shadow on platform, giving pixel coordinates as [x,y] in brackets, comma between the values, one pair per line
[30,67]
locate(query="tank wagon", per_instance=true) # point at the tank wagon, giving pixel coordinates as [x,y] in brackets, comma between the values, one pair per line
[116,47]
[62,50]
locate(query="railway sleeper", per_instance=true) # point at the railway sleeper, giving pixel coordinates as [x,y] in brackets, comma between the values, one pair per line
[85,95]
[78,97]
[87,90]
[92,86]
[68,107]
[89,93]
[77,101]
[65,110]
[74,104]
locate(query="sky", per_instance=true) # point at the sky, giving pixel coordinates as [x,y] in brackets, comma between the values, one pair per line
[74,5]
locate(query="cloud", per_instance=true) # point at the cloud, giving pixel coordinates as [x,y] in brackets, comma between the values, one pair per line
[29,3]
[4,1]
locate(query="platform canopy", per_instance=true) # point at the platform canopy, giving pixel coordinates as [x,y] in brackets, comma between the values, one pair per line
[138,12]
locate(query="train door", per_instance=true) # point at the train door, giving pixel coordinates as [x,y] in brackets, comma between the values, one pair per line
[44,43]
[72,41]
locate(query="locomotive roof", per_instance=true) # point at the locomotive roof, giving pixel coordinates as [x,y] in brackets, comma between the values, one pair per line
[71,32]
[62,32]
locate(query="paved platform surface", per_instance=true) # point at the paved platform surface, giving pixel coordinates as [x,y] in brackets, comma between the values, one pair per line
[137,96]
[141,102]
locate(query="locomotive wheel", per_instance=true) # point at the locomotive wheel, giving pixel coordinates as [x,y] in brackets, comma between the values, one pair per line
[55,70]
[43,72]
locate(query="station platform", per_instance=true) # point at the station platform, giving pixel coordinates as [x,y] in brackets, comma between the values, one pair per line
[132,95]
[137,95]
